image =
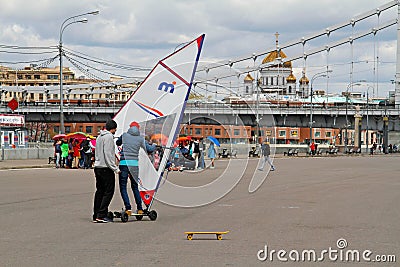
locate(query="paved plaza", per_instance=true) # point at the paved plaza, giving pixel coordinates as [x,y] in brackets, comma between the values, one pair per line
[306,204]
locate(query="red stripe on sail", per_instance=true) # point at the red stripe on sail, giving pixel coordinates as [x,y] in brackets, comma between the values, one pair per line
[147,196]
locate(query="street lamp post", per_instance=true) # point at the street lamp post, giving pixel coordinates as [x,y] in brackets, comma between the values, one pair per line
[317,75]
[64,25]
[367,129]
[347,121]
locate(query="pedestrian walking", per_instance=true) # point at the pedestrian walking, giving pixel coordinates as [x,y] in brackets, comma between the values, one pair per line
[211,154]
[266,152]
[195,147]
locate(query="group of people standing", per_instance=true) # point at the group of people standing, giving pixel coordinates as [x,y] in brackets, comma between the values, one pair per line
[73,154]
[193,151]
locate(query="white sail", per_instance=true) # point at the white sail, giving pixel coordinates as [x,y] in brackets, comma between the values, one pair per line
[158,105]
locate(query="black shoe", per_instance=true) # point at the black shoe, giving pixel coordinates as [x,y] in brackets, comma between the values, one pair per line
[103,220]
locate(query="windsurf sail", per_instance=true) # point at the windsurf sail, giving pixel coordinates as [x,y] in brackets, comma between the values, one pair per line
[158,105]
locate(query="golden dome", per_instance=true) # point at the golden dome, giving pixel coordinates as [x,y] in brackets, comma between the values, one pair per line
[248,78]
[304,80]
[272,56]
[291,77]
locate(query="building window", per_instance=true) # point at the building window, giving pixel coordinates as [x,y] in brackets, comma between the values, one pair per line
[89,129]
[98,129]
[19,76]
[217,131]
[197,131]
[36,77]
[317,134]
[21,138]
[28,77]
[81,128]
[328,134]
[52,77]
[236,132]
[56,129]
[67,129]
[282,133]
[247,89]
[11,138]
[294,133]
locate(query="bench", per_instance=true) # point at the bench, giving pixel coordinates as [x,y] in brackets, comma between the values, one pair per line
[227,153]
[353,150]
[254,152]
[291,152]
[332,151]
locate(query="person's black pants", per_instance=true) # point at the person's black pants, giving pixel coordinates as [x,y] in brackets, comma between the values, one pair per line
[105,185]
[87,160]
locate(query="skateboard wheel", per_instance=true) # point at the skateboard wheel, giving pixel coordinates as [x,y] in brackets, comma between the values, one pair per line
[124,217]
[153,215]
[189,237]
[219,237]
[139,217]
[110,215]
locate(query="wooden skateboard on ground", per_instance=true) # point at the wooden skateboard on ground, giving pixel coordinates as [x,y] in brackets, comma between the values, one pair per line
[218,234]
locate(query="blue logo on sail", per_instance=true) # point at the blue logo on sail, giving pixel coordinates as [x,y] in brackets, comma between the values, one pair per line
[167,87]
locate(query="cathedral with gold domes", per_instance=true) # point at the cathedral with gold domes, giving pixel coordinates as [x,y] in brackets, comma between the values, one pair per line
[277,78]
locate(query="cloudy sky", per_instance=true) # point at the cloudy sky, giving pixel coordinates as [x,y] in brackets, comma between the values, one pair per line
[138,33]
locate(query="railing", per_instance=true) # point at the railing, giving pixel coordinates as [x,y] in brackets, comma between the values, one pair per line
[209,108]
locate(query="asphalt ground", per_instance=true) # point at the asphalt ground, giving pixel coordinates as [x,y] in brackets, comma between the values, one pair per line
[306,204]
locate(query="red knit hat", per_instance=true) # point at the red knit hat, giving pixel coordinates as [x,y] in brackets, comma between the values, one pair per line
[134,123]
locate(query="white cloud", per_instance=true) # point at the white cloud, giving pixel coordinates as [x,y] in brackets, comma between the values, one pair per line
[141,32]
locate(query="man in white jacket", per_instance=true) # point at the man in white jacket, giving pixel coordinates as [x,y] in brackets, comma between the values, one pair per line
[105,169]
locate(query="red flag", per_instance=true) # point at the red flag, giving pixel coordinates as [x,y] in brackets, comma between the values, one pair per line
[147,196]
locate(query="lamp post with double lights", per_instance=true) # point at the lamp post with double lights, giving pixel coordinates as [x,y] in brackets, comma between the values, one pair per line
[64,25]
[347,121]
[314,77]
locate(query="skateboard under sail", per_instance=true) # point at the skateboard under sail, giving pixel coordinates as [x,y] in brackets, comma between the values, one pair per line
[158,105]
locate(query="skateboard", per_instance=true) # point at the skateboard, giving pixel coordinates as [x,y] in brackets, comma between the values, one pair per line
[218,234]
[152,214]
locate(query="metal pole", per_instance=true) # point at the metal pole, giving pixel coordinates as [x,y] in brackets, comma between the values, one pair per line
[317,75]
[311,112]
[347,123]
[385,134]
[62,128]
[367,135]
[397,77]
[62,28]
